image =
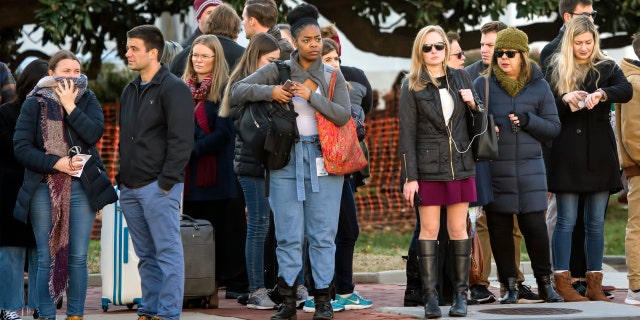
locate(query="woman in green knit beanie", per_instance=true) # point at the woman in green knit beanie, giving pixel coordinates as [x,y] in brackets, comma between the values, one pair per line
[525,113]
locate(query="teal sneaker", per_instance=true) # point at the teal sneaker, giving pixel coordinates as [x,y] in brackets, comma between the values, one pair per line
[310,306]
[354,302]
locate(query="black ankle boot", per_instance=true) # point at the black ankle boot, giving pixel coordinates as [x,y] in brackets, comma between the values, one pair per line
[322,301]
[510,292]
[413,291]
[546,291]
[428,257]
[287,310]
[460,254]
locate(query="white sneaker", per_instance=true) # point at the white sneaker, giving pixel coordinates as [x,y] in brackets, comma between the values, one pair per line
[259,299]
[9,315]
[632,297]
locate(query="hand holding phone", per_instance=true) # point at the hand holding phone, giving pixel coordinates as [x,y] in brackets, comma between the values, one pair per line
[287,85]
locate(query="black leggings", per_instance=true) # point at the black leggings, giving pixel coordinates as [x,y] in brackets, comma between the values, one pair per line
[534,230]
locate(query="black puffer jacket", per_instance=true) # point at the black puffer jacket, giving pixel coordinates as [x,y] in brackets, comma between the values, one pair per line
[427,151]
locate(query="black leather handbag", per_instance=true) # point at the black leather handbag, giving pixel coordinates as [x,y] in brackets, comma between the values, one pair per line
[484,142]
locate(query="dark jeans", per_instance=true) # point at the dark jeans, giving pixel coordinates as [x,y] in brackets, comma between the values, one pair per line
[533,226]
[348,231]
[229,222]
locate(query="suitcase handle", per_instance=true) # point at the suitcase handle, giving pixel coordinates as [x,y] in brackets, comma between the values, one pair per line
[186,217]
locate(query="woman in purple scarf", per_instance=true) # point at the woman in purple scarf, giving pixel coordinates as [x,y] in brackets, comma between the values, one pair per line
[59,120]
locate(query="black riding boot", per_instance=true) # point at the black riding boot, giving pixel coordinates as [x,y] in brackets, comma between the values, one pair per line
[460,254]
[322,300]
[546,291]
[287,310]
[428,256]
[510,292]
[413,291]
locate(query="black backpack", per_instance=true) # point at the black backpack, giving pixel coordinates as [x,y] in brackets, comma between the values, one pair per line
[268,129]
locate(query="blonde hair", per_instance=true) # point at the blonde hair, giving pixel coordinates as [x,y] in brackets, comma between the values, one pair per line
[418,67]
[567,74]
[220,69]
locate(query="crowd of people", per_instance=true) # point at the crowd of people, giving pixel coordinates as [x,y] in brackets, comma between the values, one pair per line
[557,165]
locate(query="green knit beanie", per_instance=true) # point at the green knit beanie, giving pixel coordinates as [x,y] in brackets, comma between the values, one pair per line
[512,38]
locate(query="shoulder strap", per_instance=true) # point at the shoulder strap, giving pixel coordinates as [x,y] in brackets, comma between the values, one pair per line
[284,70]
[332,83]
[486,93]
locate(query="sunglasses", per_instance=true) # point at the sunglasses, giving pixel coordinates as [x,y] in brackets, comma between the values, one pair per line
[510,54]
[592,14]
[459,55]
[438,45]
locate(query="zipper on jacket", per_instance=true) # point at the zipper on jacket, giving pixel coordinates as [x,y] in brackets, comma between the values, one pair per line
[406,172]
[453,173]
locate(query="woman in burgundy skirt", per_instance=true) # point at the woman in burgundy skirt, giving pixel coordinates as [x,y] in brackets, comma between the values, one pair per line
[437,161]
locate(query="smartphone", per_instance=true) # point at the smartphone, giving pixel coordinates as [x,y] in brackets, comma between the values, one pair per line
[287,85]
[417,199]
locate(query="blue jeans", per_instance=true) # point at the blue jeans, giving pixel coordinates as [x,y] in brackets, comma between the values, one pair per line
[595,204]
[153,218]
[348,231]
[257,228]
[304,203]
[81,218]
[12,279]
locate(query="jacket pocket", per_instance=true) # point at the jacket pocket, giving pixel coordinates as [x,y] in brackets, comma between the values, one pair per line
[429,160]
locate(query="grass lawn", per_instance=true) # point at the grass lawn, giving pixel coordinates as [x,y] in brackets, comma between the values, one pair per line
[382,249]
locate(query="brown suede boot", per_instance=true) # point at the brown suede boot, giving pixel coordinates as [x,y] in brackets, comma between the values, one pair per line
[74,318]
[563,287]
[594,287]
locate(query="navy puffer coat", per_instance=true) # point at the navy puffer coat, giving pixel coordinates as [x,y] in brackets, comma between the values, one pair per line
[518,175]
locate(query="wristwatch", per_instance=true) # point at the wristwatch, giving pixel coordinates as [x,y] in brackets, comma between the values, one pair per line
[604,94]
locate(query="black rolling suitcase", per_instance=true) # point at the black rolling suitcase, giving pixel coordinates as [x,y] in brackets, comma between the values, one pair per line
[198,241]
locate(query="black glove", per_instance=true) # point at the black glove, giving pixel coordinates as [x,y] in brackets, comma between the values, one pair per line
[523,118]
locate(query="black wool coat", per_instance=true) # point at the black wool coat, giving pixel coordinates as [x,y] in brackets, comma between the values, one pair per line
[584,157]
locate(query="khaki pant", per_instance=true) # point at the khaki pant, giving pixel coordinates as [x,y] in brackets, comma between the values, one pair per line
[632,237]
[483,236]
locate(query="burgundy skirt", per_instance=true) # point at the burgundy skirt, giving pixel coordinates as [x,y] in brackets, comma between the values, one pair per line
[442,193]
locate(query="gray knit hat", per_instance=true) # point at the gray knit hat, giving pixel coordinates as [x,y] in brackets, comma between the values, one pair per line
[512,38]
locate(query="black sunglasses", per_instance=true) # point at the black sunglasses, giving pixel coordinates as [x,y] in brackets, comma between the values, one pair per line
[586,14]
[459,54]
[510,54]
[438,45]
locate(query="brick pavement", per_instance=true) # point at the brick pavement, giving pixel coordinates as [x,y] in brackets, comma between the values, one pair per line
[383,295]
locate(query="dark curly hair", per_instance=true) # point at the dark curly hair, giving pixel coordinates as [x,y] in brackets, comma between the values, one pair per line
[302,16]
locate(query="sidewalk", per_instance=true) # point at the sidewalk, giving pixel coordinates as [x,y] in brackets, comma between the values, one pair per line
[386,289]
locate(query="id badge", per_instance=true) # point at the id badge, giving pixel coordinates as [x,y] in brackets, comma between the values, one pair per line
[320,169]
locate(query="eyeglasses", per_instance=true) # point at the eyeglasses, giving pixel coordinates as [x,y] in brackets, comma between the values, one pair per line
[459,55]
[202,56]
[438,45]
[510,54]
[591,14]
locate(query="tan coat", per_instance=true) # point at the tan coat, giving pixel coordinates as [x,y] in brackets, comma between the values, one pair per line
[628,122]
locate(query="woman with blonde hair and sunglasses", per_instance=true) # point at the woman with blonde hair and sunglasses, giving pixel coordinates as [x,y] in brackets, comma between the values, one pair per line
[439,168]
[583,161]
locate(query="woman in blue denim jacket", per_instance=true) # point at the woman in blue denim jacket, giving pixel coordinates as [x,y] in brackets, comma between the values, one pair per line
[304,198]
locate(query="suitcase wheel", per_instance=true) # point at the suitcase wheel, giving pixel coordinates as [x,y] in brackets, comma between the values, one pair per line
[211,302]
